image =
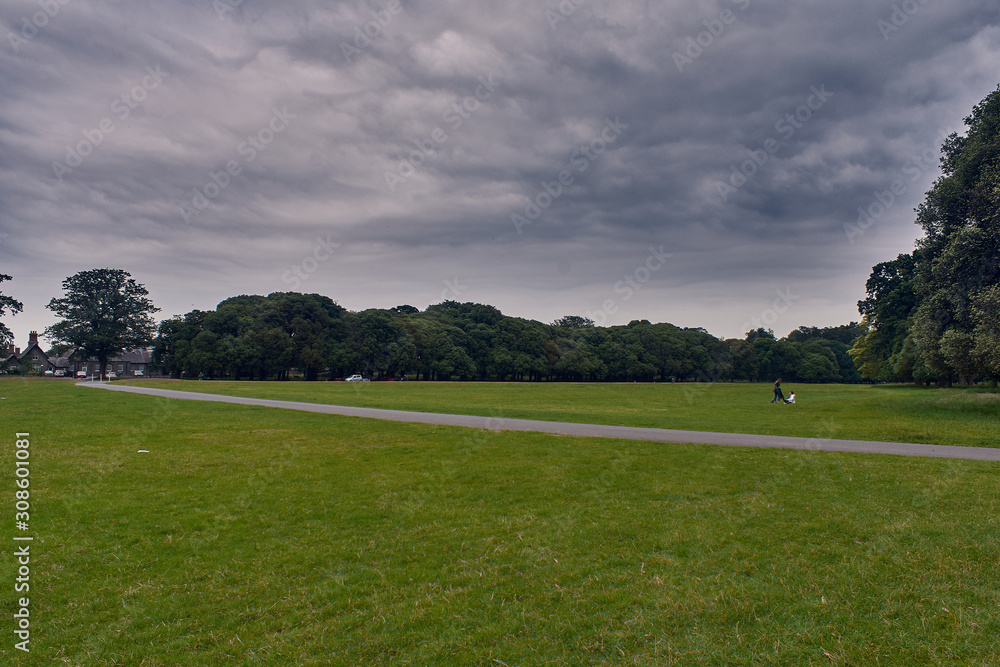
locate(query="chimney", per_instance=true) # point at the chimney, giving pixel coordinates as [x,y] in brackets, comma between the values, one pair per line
[32,338]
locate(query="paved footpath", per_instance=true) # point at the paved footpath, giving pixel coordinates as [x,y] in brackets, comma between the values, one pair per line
[585,430]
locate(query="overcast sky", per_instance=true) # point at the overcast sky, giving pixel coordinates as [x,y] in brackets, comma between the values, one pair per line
[692,162]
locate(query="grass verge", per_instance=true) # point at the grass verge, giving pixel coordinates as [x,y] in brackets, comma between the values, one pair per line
[255,536]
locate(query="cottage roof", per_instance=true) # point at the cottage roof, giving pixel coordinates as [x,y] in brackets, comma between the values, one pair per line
[135,357]
[32,347]
[140,356]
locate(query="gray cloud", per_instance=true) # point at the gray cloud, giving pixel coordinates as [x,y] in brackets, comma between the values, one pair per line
[360,123]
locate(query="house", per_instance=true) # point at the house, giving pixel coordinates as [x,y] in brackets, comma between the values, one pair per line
[11,358]
[130,364]
[33,355]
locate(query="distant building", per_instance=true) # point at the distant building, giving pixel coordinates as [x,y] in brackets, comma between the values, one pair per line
[131,364]
[33,355]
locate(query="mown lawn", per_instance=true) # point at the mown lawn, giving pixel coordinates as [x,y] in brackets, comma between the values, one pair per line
[892,413]
[257,536]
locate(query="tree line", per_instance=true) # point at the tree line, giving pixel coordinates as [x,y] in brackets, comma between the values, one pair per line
[106,312]
[934,314]
[270,337]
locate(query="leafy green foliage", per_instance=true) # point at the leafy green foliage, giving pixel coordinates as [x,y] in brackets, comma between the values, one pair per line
[7,304]
[920,306]
[256,337]
[105,312]
[845,334]
[986,336]
[265,337]
[573,322]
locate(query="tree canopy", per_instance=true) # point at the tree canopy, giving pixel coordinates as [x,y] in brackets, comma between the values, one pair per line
[105,312]
[927,313]
[11,305]
[266,337]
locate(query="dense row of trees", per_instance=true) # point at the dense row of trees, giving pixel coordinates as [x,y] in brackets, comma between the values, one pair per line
[934,314]
[105,312]
[267,337]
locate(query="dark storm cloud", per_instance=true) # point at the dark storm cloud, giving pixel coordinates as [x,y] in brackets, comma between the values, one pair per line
[225,141]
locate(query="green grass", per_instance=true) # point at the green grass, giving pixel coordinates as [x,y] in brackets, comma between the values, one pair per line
[258,536]
[891,413]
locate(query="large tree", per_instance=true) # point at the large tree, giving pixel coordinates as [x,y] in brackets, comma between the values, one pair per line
[7,304]
[958,256]
[888,310]
[105,312]
[920,305]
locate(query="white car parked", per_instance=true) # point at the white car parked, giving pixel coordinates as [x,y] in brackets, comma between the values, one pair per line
[356,378]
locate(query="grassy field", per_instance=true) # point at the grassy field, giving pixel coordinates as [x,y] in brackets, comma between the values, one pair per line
[892,413]
[257,536]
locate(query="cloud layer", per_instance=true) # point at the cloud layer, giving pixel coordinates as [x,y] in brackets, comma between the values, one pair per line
[528,155]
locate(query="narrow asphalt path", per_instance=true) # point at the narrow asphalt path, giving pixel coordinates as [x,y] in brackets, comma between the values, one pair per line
[584,430]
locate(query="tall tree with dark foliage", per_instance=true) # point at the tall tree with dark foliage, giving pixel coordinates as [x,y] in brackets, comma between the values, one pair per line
[105,313]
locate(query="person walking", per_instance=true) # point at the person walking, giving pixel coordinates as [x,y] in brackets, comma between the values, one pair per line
[778,396]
